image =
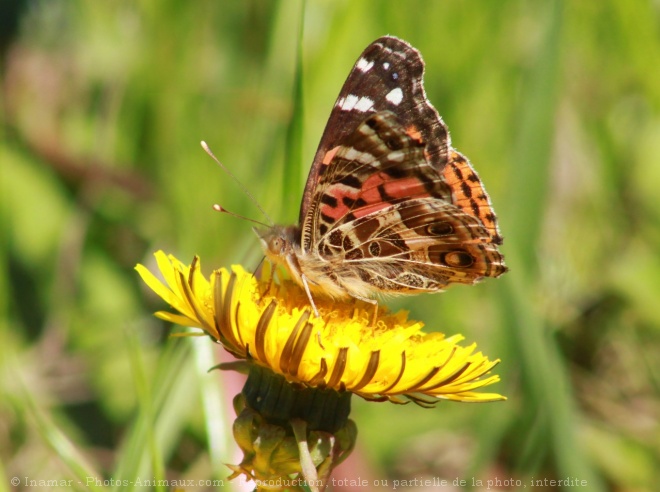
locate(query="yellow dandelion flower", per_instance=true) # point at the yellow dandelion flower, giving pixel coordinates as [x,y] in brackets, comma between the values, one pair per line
[292,422]
[269,324]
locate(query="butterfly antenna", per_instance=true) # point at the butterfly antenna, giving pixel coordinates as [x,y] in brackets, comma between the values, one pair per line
[219,208]
[245,190]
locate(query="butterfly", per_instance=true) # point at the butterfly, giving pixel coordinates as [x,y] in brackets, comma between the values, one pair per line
[390,207]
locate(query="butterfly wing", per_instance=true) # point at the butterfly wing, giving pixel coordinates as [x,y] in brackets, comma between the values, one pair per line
[386,77]
[419,245]
[388,200]
[386,217]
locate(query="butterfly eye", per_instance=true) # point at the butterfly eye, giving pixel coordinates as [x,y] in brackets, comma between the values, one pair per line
[439,229]
[277,245]
[458,259]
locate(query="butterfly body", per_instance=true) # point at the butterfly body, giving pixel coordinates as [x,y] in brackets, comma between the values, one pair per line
[389,206]
[323,276]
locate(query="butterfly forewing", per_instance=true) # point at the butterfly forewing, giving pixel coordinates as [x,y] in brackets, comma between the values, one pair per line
[376,167]
[386,77]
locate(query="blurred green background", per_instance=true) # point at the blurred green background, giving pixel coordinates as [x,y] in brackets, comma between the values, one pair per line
[557,104]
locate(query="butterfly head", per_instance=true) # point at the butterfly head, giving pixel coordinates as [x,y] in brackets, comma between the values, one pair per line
[281,244]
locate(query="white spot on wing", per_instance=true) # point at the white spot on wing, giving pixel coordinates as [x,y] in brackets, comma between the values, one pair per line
[364,65]
[364,104]
[351,154]
[386,65]
[347,103]
[351,102]
[395,96]
[396,156]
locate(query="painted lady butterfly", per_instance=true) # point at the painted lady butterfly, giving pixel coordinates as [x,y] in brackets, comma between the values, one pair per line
[389,206]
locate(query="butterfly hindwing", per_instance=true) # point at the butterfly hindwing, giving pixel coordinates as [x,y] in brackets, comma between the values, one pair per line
[420,245]
[469,193]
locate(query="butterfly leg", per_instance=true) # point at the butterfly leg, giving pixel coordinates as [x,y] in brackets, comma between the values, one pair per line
[309,295]
[270,279]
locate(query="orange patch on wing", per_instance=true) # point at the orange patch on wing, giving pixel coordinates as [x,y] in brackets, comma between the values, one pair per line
[405,187]
[329,155]
[414,133]
[468,192]
[369,192]
[395,188]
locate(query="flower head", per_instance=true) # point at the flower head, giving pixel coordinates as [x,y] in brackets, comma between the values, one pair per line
[268,323]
